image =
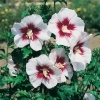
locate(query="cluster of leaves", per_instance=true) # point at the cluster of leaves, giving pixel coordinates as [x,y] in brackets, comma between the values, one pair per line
[19,87]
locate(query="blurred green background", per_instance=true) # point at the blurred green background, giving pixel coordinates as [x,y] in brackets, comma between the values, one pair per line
[88,10]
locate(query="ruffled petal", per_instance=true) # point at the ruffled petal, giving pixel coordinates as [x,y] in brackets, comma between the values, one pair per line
[35,19]
[31,66]
[50,83]
[16,28]
[87,54]
[44,35]
[52,25]
[20,42]
[36,44]
[43,59]
[78,66]
[65,12]
[34,81]
[62,41]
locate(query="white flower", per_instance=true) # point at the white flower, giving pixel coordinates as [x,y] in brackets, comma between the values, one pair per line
[89,96]
[80,54]
[66,26]
[31,30]
[13,68]
[58,58]
[41,70]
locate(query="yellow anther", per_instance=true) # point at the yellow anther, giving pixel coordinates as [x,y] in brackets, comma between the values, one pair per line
[59,65]
[45,73]
[64,28]
[29,34]
[79,51]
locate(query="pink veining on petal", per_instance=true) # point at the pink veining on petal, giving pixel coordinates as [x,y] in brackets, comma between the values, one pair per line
[71,26]
[65,21]
[59,25]
[32,27]
[34,38]
[61,33]
[60,59]
[24,31]
[79,46]
[68,34]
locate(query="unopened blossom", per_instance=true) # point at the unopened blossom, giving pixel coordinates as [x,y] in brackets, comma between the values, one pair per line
[13,68]
[58,58]
[89,96]
[80,53]
[66,26]
[31,30]
[41,70]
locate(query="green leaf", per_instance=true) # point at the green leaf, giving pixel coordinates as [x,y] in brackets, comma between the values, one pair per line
[25,13]
[26,52]
[24,98]
[2,56]
[18,79]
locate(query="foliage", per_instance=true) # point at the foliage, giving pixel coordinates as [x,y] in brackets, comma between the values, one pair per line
[19,88]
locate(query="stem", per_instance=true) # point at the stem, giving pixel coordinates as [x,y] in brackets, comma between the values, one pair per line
[10,91]
[54,6]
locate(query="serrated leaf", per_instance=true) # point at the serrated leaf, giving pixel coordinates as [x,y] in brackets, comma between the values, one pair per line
[25,13]
[2,56]
[18,79]
[26,52]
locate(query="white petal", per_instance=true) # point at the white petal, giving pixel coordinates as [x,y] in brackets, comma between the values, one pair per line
[78,66]
[58,51]
[12,72]
[89,96]
[62,79]
[68,72]
[36,45]
[43,59]
[31,66]
[52,25]
[51,83]
[44,35]
[74,38]
[87,54]
[86,40]
[19,42]
[10,64]
[52,57]
[35,19]
[35,81]
[66,13]
[16,28]
[78,22]
[62,41]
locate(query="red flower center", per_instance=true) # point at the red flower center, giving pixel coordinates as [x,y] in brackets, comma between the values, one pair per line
[78,48]
[65,28]
[44,71]
[30,32]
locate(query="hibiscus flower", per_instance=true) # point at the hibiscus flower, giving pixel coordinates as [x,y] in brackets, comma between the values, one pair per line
[41,70]
[31,30]
[80,54]
[89,96]
[13,68]
[66,26]
[58,58]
